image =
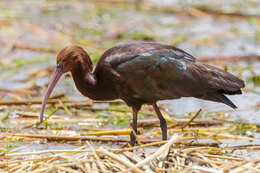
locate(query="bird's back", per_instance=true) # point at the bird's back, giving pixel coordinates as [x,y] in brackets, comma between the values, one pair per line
[126,52]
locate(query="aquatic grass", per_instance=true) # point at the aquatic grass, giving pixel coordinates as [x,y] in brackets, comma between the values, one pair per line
[254,79]
[243,128]
[45,121]
[66,109]
[139,36]
[2,118]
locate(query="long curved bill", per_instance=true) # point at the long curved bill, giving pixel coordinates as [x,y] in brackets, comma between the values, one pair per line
[55,78]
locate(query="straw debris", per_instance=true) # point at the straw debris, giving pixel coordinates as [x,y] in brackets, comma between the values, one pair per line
[167,158]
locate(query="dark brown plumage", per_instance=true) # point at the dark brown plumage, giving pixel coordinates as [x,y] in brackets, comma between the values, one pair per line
[143,73]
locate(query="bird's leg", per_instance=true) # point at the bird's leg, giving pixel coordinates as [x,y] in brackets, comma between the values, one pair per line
[134,126]
[163,123]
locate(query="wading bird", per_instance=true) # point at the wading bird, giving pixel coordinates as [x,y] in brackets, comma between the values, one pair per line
[143,73]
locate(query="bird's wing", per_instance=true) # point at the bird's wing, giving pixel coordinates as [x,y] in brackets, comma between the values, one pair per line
[165,74]
[152,73]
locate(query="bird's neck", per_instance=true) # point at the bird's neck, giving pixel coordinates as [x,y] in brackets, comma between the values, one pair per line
[85,80]
[90,85]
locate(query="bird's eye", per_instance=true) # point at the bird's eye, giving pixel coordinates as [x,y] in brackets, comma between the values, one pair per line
[60,66]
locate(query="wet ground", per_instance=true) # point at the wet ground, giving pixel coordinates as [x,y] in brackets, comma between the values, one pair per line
[31,33]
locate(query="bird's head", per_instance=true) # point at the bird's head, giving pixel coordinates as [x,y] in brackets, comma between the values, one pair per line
[72,56]
[68,59]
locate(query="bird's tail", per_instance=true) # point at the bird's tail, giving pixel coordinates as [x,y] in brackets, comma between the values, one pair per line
[222,98]
[223,83]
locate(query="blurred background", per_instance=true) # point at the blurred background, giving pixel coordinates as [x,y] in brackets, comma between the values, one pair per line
[223,33]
